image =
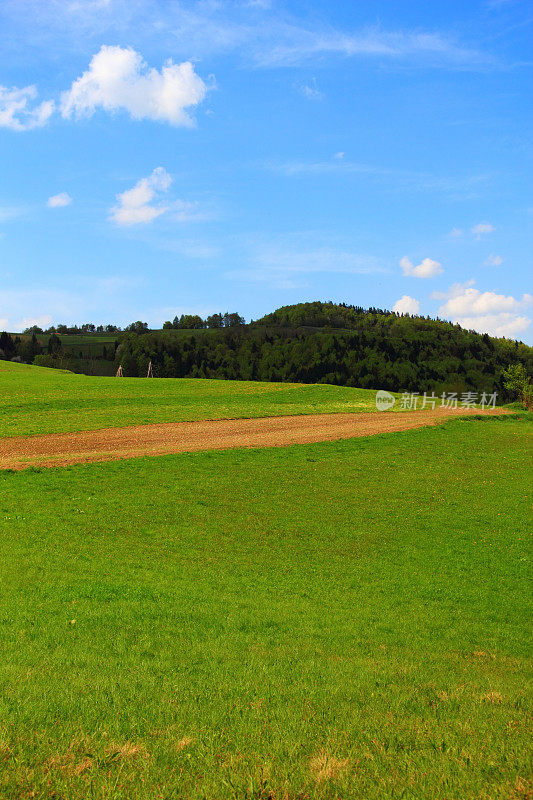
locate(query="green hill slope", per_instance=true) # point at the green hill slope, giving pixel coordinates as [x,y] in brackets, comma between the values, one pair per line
[38,400]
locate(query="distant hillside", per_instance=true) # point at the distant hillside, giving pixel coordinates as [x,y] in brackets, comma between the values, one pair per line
[341,316]
[317,343]
[320,315]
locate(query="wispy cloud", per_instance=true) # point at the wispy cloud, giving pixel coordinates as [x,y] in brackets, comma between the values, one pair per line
[8,213]
[456,233]
[289,265]
[493,261]
[475,232]
[22,308]
[263,33]
[298,44]
[392,179]
[310,90]
[59,200]
[89,298]
[18,111]
[481,229]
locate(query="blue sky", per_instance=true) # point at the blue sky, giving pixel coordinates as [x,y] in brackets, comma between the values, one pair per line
[160,158]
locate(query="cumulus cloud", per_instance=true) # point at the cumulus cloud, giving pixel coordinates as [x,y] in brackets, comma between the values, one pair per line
[406,305]
[502,324]
[119,79]
[481,229]
[426,269]
[493,261]
[135,205]
[59,200]
[486,312]
[17,111]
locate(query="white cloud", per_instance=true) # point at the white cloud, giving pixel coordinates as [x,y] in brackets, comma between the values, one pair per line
[339,155]
[190,211]
[17,113]
[293,44]
[392,179]
[42,321]
[406,305]
[119,79]
[262,32]
[455,290]
[89,298]
[59,200]
[472,301]
[311,90]
[7,213]
[287,264]
[426,269]
[3,323]
[493,261]
[486,312]
[322,259]
[503,324]
[134,205]
[481,228]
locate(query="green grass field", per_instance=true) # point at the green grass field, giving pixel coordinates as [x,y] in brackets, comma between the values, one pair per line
[340,620]
[37,400]
[87,342]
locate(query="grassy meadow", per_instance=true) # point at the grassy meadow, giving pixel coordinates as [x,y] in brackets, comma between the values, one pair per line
[337,620]
[37,400]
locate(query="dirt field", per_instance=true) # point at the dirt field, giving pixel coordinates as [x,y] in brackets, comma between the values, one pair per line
[57,450]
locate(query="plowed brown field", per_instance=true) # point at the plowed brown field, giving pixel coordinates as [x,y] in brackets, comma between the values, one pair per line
[106,444]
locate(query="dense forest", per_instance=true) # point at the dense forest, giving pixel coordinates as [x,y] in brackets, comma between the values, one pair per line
[311,343]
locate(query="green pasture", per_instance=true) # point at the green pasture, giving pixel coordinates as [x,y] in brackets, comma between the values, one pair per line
[89,344]
[339,620]
[74,340]
[38,400]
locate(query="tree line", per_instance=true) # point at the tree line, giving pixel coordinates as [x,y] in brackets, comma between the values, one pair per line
[184,322]
[71,330]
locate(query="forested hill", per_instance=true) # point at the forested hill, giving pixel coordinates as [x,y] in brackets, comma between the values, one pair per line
[328,343]
[321,315]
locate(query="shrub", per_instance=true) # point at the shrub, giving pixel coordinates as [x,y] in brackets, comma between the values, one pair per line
[516,380]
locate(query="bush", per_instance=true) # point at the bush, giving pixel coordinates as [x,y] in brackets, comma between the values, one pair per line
[516,380]
[45,360]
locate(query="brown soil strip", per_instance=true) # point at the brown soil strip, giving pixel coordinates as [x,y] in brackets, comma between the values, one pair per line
[107,444]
